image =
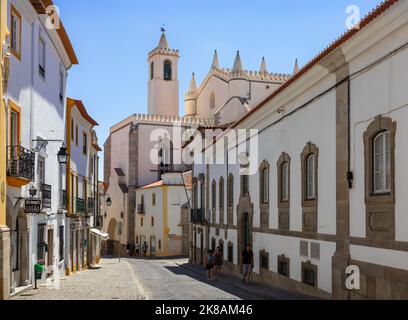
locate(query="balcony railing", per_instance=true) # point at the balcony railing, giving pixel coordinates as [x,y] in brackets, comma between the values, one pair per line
[197,216]
[91,205]
[80,205]
[141,209]
[20,163]
[46,192]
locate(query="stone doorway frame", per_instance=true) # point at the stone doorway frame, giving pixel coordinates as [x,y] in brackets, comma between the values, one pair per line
[245,206]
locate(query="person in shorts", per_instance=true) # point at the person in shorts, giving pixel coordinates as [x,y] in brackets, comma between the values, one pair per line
[247,263]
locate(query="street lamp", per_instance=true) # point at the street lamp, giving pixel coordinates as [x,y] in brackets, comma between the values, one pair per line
[63,155]
[109,202]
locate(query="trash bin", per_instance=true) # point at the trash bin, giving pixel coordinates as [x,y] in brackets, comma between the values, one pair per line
[38,272]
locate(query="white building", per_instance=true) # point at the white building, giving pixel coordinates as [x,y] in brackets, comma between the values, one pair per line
[82,189]
[330,190]
[159,223]
[40,60]
[141,148]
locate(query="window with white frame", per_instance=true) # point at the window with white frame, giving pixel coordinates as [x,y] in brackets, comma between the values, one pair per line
[382,162]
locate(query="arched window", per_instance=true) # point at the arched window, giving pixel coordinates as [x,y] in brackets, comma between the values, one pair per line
[230,193]
[309,158]
[265,185]
[152,70]
[283,180]
[214,195]
[379,158]
[167,74]
[221,191]
[310,177]
[212,100]
[382,162]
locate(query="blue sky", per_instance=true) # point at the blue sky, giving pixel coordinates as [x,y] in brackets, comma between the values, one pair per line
[112,40]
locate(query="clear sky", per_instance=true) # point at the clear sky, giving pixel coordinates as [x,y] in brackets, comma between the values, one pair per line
[112,40]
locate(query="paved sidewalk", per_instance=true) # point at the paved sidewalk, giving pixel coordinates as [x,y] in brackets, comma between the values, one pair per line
[110,281]
[260,290]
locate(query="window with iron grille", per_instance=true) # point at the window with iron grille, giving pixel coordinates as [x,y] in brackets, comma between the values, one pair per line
[41,244]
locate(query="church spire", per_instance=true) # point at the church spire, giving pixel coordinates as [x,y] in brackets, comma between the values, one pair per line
[163,44]
[263,69]
[215,64]
[238,63]
[296,69]
[193,84]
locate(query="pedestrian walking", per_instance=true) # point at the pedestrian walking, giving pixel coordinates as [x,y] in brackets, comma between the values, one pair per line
[210,265]
[247,263]
[145,246]
[128,248]
[218,262]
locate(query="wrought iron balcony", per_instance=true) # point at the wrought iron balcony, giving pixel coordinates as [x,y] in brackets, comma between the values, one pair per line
[80,205]
[91,205]
[197,216]
[141,209]
[20,163]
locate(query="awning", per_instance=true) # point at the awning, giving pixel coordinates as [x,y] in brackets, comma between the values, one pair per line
[104,236]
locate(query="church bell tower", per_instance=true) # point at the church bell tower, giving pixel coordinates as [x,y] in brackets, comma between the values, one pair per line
[163,80]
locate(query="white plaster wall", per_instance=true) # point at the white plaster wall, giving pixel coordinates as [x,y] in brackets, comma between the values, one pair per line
[163,96]
[220,89]
[380,91]
[147,230]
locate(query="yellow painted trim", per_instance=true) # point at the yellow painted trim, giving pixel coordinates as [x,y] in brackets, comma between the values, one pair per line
[3,121]
[17,109]
[165,222]
[17,182]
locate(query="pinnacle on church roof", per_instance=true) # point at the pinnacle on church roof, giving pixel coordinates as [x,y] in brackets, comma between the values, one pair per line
[163,44]
[296,69]
[263,69]
[215,64]
[238,63]
[193,85]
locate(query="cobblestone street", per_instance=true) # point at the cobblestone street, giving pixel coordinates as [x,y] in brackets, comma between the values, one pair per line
[156,279]
[110,281]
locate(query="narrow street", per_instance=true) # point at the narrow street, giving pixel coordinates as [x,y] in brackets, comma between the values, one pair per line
[137,279]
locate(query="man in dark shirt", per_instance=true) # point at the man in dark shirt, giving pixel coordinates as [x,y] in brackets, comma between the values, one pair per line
[247,262]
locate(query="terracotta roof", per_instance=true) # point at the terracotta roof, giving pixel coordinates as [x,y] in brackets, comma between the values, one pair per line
[40,7]
[79,104]
[371,16]
[153,185]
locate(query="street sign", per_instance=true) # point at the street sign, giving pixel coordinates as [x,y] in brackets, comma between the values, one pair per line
[33,206]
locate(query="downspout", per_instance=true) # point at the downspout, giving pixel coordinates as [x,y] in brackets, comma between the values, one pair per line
[350,174]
